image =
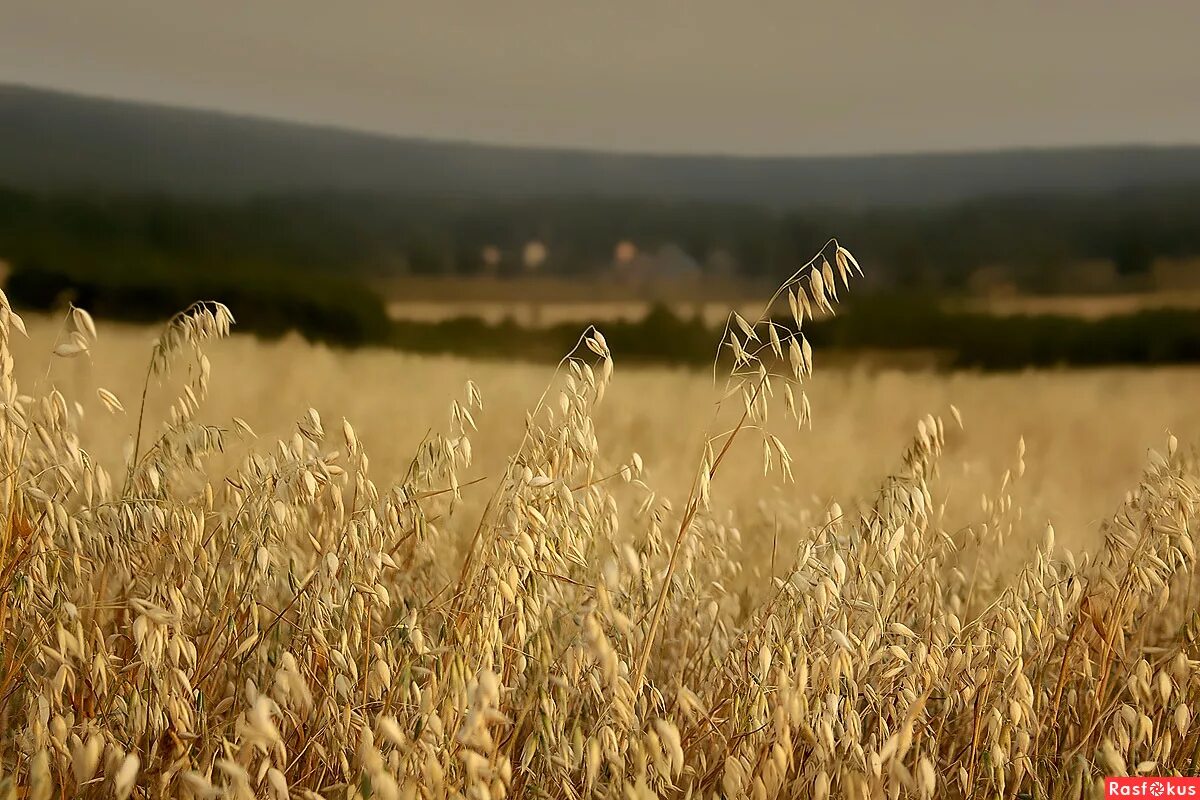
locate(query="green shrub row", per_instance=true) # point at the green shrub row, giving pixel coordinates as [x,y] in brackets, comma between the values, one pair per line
[320,307]
[344,312]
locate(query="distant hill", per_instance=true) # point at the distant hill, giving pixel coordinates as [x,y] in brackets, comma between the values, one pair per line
[56,141]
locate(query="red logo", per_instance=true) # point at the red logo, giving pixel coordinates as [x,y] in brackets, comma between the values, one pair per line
[1151,787]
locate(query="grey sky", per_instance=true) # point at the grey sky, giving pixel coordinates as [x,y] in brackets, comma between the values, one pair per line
[695,76]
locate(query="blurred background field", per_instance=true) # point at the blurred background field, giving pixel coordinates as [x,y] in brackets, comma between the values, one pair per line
[1050,290]
[1052,293]
[1087,431]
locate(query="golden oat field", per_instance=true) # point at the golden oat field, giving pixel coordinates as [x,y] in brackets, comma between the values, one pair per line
[303,572]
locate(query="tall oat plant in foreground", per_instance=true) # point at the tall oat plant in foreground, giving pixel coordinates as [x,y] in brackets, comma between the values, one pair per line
[291,628]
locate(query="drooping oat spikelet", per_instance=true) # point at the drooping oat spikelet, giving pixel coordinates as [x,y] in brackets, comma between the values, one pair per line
[281,623]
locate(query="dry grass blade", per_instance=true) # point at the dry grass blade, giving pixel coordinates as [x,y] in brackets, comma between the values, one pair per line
[275,620]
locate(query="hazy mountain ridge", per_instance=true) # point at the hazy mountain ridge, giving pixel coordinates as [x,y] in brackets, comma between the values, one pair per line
[57,141]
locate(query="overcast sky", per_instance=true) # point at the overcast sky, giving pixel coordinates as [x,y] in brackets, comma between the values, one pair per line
[699,76]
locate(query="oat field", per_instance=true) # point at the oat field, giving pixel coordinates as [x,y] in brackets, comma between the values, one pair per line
[237,569]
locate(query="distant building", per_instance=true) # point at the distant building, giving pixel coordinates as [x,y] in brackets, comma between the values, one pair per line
[670,263]
[534,255]
[491,257]
[625,252]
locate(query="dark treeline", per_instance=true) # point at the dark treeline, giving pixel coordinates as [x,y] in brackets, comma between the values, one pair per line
[307,263]
[268,304]
[881,325]
[380,236]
